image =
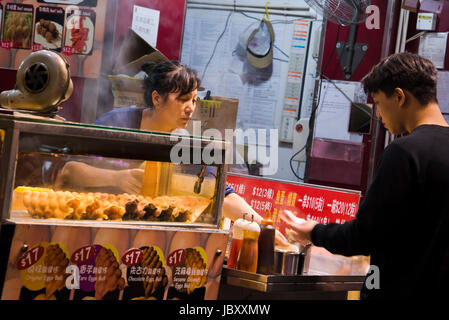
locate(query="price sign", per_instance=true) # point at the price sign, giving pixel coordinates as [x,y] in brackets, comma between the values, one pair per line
[321,204]
[132,257]
[30,257]
[176,258]
[83,254]
[37,47]
[68,51]
[8,45]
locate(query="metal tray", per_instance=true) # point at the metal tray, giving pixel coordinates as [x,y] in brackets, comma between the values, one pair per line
[282,283]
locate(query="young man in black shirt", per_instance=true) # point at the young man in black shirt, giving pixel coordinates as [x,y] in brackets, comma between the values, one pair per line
[403,222]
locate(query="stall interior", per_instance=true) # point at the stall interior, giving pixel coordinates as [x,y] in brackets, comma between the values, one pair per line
[57,186]
[70,178]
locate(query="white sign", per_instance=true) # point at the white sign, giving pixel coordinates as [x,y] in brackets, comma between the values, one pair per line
[433,47]
[332,118]
[146,24]
[443,91]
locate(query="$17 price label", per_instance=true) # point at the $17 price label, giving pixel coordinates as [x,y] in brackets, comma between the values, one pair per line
[176,258]
[83,255]
[30,257]
[132,257]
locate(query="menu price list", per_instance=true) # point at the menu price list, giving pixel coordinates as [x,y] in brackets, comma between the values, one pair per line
[306,202]
[74,28]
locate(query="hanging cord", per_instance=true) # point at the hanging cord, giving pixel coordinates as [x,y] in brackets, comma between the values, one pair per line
[216,44]
[314,109]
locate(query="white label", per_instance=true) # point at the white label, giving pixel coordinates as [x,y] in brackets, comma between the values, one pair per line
[146,24]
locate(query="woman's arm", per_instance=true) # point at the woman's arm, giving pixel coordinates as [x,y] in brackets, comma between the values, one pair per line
[77,174]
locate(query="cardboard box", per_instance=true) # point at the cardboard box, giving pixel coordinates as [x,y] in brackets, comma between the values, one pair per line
[128,91]
[134,52]
[411,5]
[218,113]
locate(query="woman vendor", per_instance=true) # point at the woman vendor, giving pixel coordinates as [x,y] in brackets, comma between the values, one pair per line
[171,97]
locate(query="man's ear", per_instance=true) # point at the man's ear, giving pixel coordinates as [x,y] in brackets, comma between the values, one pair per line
[400,96]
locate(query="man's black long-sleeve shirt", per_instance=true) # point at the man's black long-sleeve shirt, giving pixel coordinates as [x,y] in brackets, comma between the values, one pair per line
[403,222]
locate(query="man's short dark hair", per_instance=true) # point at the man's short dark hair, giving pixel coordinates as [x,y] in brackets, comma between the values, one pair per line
[406,71]
[169,77]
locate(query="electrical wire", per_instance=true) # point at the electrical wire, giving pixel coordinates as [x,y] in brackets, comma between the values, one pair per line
[314,109]
[216,44]
[226,27]
[276,47]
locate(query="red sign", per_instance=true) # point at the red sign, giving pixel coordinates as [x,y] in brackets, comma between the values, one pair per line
[30,257]
[305,201]
[68,51]
[83,254]
[37,47]
[8,45]
[176,258]
[132,257]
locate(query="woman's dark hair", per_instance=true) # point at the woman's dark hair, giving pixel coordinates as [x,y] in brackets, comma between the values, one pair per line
[406,71]
[168,77]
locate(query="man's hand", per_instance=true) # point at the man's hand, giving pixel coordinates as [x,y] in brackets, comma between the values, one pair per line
[299,229]
[280,240]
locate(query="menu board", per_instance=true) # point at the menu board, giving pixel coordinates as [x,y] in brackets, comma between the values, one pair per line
[49,28]
[79,35]
[18,26]
[86,3]
[73,28]
[321,204]
[68,262]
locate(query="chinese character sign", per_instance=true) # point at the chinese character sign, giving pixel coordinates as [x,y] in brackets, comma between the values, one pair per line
[305,201]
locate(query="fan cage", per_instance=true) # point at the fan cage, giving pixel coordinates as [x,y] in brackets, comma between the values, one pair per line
[342,12]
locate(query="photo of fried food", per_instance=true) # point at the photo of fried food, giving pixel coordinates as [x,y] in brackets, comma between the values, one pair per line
[79,34]
[55,263]
[155,276]
[17,28]
[198,275]
[112,280]
[48,33]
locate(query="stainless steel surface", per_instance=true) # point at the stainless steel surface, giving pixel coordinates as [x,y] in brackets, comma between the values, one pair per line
[290,263]
[287,263]
[283,283]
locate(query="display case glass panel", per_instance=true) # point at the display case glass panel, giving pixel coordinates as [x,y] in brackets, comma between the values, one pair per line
[76,178]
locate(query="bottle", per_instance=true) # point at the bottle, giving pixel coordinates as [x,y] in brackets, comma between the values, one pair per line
[265,262]
[236,243]
[247,260]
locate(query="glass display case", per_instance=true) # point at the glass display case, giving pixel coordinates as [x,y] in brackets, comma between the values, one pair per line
[65,171]
[94,213]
